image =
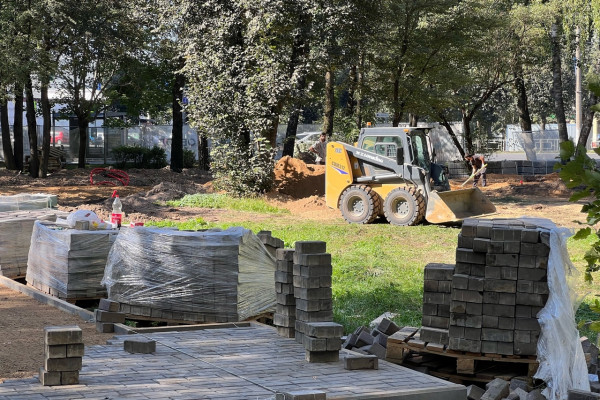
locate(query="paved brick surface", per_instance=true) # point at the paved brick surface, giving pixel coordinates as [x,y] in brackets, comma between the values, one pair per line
[235,363]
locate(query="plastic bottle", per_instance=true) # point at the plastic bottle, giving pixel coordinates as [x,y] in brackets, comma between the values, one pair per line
[116,218]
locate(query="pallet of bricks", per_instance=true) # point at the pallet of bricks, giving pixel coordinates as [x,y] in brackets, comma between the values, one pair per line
[68,263]
[191,277]
[16,228]
[479,316]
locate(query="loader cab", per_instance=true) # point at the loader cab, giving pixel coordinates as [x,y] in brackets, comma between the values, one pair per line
[405,145]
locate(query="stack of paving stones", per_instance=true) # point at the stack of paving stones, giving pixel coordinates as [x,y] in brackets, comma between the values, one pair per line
[498,287]
[322,341]
[436,303]
[107,315]
[312,292]
[180,276]
[63,355]
[372,342]
[68,263]
[271,243]
[284,317]
[15,238]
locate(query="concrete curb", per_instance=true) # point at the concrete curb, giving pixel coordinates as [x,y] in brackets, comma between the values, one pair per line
[47,299]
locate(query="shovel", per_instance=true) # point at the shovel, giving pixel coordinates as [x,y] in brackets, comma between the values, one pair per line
[473,174]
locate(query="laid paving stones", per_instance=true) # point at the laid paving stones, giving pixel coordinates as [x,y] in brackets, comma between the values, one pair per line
[234,363]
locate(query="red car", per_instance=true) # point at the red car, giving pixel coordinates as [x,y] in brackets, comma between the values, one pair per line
[57,138]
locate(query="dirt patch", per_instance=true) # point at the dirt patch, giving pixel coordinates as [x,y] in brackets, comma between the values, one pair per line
[22,322]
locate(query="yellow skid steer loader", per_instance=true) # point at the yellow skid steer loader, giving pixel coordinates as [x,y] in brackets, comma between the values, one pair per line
[390,172]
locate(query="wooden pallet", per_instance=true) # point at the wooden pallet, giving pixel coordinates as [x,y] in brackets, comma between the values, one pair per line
[71,297]
[457,366]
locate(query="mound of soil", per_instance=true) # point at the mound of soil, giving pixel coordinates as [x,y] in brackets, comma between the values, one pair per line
[298,179]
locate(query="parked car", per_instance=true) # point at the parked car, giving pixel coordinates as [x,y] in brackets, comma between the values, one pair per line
[58,138]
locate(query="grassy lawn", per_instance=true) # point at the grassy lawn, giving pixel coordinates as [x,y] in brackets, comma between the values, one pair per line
[379,268]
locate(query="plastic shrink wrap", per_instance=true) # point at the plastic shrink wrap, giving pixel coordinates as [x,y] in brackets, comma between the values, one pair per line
[205,276]
[20,202]
[68,263]
[15,238]
[562,362]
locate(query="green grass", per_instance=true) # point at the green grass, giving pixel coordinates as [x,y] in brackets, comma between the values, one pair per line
[227,202]
[190,225]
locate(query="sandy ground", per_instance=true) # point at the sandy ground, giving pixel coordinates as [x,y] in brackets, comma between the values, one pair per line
[299,188]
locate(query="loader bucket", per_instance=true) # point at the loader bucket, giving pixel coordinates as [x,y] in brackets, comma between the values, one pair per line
[456,205]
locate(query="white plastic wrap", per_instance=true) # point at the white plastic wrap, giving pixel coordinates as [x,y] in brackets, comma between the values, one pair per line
[15,238]
[68,263]
[206,276]
[27,202]
[561,358]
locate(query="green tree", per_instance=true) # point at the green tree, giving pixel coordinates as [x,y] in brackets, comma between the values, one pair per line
[101,35]
[475,69]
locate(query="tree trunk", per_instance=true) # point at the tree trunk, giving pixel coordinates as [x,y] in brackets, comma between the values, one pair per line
[396,102]
[588,121]
[9,160]
[414,120]
[203,156]
[359,87]
[47,118]
[557,87]
[524,116]
[455,140]
[351,103]
[82,124]
[329,102]
[34,160]
[177,132]
[466,125]
[18,127]
[290,133]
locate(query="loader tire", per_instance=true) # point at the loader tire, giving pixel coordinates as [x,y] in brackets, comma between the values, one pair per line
[404,206]
[360,204]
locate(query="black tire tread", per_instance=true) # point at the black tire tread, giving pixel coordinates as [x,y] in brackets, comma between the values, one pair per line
[375,203]
[419,201]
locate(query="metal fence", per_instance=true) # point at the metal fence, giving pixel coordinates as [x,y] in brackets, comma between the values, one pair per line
[101,141]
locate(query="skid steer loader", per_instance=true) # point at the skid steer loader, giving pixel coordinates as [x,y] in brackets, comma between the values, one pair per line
[390,172]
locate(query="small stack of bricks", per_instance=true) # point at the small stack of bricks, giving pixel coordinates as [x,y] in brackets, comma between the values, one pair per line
[322,341]
[285,309]
[271,243]
[312,291]
[436,302]
[63,355]
[498,287]
[107,315]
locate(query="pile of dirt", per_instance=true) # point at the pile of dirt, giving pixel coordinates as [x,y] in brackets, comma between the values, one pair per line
[298,179]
